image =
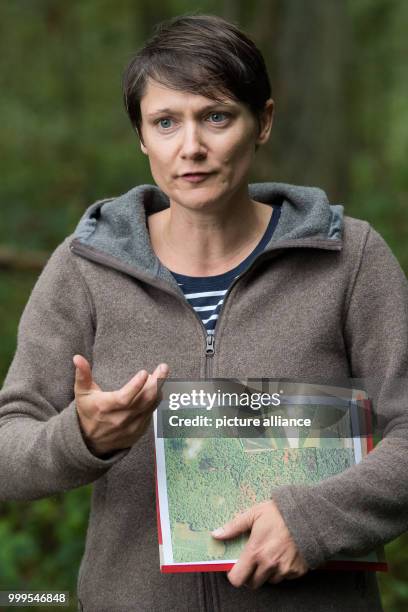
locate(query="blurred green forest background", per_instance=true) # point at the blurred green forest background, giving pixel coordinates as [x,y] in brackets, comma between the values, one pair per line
[339,80]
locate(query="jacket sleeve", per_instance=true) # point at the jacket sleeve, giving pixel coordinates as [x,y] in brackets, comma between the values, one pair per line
[366,505]
[42,451]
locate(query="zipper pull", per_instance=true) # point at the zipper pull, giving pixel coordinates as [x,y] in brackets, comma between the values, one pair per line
[209,345]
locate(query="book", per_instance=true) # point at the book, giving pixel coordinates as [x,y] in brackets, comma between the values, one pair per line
[206,475]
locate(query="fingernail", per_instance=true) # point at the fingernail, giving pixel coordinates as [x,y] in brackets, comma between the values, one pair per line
[218,532]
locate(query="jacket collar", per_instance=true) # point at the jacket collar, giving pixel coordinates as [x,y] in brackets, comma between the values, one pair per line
[117,227]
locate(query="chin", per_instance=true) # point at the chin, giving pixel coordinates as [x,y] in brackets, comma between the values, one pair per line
[197,197]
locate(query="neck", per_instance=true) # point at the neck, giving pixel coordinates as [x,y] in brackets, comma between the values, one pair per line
[218,240]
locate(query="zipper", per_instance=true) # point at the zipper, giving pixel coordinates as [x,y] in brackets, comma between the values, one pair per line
[100,257]
[209,353]
[209,347]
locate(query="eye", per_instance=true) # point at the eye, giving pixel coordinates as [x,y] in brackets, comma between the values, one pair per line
[218,117]
[165,123]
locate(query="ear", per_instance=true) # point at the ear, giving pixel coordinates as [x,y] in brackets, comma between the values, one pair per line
[266,121]
[142,145]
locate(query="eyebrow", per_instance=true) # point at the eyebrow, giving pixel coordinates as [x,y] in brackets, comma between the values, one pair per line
[204,109]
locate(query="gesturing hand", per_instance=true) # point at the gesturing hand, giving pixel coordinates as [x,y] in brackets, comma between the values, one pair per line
[113,420]
[270,553]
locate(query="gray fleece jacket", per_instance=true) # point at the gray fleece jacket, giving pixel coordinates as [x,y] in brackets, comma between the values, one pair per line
[325,299]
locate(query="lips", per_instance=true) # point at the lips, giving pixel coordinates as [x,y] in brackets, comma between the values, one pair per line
[195,177]
[195,174]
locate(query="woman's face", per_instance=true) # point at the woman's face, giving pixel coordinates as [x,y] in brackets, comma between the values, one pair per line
[200,151]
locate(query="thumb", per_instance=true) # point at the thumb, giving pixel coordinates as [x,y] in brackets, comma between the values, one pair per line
[239,524]
[83,374]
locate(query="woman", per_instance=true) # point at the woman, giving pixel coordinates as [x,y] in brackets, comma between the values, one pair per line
[292,288]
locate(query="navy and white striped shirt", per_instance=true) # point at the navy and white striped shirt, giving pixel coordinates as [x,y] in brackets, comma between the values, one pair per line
[206,293]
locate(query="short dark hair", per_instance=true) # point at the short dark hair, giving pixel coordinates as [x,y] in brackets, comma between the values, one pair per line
[201,54]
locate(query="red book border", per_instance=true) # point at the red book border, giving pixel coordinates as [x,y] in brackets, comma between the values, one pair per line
[225,567]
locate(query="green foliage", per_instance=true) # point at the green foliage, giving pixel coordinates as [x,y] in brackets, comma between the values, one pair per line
[42,542]
[14,290]
[378,120]
[394,584]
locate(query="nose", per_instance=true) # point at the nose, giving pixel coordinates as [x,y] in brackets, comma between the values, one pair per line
[192,145]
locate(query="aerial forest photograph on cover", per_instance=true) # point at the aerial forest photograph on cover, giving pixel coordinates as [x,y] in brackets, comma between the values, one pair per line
[209,480]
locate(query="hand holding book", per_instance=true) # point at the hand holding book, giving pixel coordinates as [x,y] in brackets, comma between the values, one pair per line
[270,555]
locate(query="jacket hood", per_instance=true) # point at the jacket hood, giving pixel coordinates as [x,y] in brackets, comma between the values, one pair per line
[117,226]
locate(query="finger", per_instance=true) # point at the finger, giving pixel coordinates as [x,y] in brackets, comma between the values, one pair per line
[297,570]
[292,575]
[126,394]
[260,576]
[240,524]
[276,578]
[159,375]
[242,571]
[151,390]
[83,375]
[141,383]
